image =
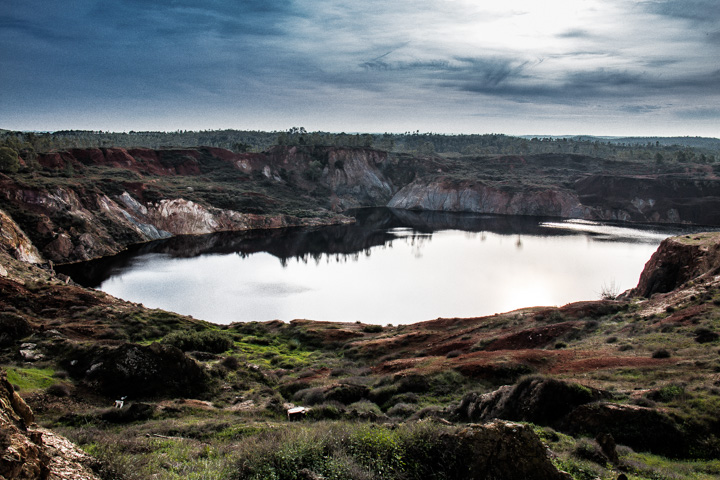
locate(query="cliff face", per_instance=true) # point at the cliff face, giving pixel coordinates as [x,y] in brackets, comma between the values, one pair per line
[28,452]
[15,242]
[88,203]
[657,199]
[679,260]
[662,199]
[76,224]
[453,196]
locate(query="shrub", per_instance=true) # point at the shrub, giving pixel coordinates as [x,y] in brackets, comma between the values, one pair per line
[231,363]
[211,341]
[372,328]
[705,335]
[326,411]
[58,390]
[365,407]
[310,396]
[9,161]
[662,353]
[402,410]
[667,393]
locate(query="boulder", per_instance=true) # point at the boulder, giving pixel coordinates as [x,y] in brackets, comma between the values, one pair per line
[506,450]
[13,327]
[138,371]
[536,399]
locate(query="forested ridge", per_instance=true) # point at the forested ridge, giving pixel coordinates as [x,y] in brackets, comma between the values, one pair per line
[658,149]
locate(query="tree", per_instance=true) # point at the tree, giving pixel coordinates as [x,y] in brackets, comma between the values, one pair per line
[9,161]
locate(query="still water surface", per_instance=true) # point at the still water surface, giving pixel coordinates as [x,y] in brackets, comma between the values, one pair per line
[391,267]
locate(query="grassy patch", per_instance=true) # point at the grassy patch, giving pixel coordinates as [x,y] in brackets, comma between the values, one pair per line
[26,379]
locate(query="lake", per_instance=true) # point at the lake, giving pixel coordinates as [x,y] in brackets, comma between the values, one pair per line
[392,266]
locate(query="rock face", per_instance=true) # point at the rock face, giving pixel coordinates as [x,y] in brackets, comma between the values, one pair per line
[14,241]
[657,199]
[453,196]
[28,452]
[91,224]
[642,198]
[678,260]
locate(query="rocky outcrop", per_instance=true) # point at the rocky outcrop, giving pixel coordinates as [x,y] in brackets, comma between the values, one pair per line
[28,452]
[578,410]
[510,451]
[641,428]
[540,400]
[668,198]
[466,196]
[138,371]
[14,241]
[656,199]
[75,225]
[677,261]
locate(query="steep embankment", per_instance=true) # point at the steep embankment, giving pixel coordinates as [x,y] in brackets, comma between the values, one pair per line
[29,452]
[679,260]
[467,196]
[570,186]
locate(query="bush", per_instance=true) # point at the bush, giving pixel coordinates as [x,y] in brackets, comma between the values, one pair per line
[372,328]
[705,335]
[667,393]
[402,410]
[9,161]
[662,353]
[211,341]
[231,363]
[58,390]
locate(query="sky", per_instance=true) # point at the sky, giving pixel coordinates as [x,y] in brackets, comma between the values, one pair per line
[556,67]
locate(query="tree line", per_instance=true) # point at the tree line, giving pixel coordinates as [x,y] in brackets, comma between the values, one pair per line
[658,149]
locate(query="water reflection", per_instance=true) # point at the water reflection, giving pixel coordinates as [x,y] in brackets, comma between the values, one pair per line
[392,266]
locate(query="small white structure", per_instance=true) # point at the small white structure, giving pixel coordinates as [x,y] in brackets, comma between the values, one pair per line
[120,403]
[296,413]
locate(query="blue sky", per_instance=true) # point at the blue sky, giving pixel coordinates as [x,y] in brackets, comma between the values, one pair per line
[602,67]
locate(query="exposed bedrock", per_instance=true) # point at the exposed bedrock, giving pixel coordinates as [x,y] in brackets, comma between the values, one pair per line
[28,452]
[677,261]
[467,196]
[656,199]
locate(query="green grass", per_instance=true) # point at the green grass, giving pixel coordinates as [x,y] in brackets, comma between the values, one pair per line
[28,379]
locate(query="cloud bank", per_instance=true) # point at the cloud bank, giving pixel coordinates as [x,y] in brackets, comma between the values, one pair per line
[586,66]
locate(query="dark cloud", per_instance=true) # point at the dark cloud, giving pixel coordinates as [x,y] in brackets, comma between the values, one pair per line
[576,33]
[701,11]
[699,113]
[639,109]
